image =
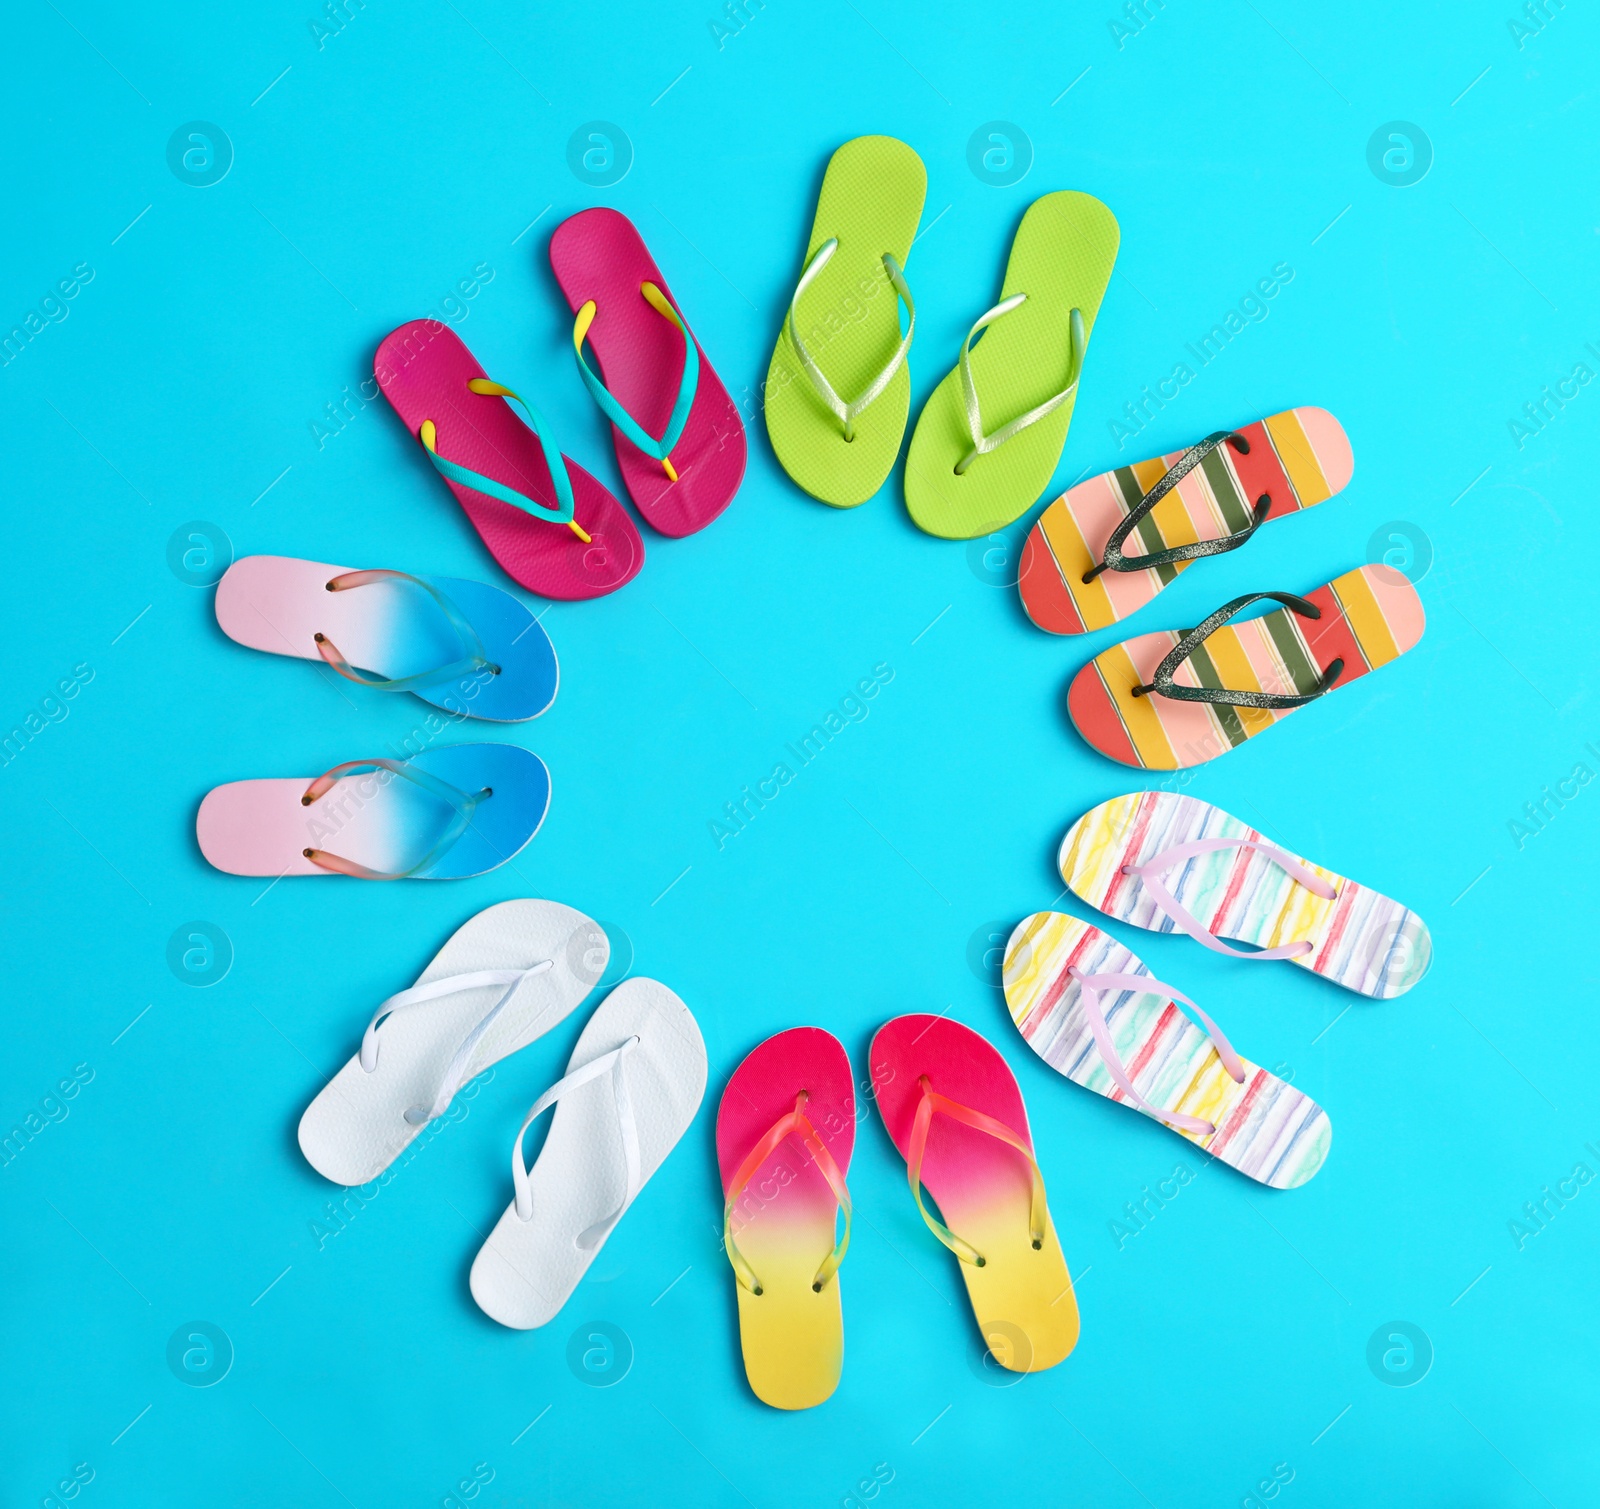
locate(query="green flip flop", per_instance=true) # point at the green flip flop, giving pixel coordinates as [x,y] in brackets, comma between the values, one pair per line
[838,390]
[961,480]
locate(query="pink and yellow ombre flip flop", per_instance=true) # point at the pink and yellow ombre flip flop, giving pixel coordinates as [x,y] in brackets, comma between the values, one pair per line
[1092,1010]
[550,525]
[444,814]
[952,1106]
[1168,701]
[785,1131]
[680,441]
[464,646]
[1106,547]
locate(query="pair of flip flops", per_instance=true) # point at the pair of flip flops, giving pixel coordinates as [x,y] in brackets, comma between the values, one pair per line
[679,440]
[1093,1010]
[442,813]
[633,1084]
[953,1109]
[838,388]
[1103,551]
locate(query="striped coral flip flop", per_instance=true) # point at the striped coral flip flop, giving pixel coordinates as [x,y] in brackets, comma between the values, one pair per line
[1171,863]
[1092,1010]
[1078,571]
[1171,700]
[953,1109]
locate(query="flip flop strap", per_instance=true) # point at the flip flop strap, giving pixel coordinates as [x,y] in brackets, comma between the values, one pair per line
[608,1063]
[1089,988]
[660,449]
[847,413]
[473,658]
[478,482]
[457,1072]
[1115,560]
[792,1123]
[1158,864]
[464,803]
[982,444]
[933,1102]
[1163,683]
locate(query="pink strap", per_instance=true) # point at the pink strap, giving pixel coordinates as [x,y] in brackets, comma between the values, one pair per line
[1168,903]
[1090,986]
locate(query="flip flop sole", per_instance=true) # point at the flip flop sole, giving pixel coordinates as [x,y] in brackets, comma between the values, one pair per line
[1061,259]
[391,629]
[791,1334]
[1370,616]
[1022,1296]
[380,820]
[598,254]
[356,1127]
[423,369]
[1297,458]
[1362,940]
[1264,1128]
[871,200]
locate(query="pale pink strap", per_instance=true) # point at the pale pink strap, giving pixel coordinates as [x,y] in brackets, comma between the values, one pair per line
[1090,986]
[1168,903]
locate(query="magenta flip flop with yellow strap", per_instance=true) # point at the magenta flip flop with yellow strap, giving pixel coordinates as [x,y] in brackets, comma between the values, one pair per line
[952,1107]
[1168,701]
[785,1131]
[1107,546]
[680,442]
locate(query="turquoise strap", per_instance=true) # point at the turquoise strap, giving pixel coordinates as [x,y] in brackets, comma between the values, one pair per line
[562,513]
[982,444]
[464,803]
[660,449]
[847,413]
[472,660]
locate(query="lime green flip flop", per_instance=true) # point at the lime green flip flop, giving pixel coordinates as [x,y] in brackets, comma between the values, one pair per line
[838,390]
[961,480]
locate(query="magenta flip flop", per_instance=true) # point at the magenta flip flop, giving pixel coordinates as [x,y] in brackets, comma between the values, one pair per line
[680,442]
[550,525]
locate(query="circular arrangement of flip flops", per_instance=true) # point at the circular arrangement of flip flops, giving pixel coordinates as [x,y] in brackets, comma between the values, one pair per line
[837,404]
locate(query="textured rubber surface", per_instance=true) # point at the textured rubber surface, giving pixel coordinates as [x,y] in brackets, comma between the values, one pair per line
[598,254]
[783,1223]
[849,319]
[1061,259]
[525,1271]
[393,629]
[423,369]
[356,1127]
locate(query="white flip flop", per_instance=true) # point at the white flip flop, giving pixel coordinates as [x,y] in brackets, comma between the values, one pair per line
[506,977]
[632,1087]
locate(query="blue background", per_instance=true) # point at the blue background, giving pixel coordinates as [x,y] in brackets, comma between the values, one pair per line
[375,166]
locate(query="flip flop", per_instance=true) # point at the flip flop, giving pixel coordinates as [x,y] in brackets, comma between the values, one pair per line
[632,1087]
[841,449]
[550,525]
[963,479]
[460,810]
[1171,863]
[1079,570]
[1092,1010]
[785,1131]
[679,439]
[1169,701]
[506,977]
[466,647]
[952,1107]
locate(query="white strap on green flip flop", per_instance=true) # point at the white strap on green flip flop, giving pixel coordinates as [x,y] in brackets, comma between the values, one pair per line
[982,444]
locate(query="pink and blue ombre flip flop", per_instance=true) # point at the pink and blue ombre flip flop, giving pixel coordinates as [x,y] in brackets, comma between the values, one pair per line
[952,1107]
[444,814]
[469,648]
[680,442]
[549,524]
[785,1131]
